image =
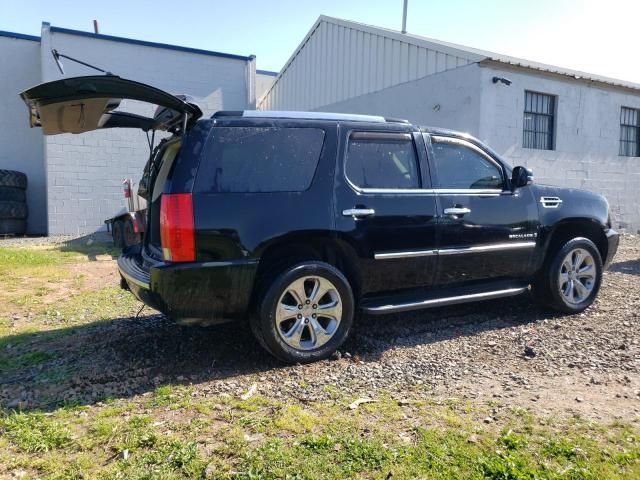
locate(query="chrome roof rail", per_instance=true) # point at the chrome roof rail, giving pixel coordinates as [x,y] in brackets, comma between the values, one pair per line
[298,115]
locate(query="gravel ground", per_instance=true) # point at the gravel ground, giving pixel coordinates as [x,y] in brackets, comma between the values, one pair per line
[33,241]
[508,351]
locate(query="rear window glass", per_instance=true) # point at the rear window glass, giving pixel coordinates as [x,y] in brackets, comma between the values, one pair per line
[382,160]
[243,160]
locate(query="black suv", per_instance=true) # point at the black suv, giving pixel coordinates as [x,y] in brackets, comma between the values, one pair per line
[295,221]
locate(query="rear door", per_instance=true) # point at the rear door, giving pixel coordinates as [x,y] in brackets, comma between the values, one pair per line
[384,208]
[82,104]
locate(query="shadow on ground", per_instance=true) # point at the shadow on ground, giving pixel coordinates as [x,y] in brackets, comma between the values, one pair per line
[92,245]
[630,267]
[124,357]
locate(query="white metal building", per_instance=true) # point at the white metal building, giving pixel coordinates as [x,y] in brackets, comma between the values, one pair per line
[572,128]
[75,181]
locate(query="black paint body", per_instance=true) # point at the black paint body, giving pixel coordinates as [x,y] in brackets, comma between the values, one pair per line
[236,231]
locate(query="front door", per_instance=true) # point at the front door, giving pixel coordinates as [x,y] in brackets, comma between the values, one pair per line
[486,231]
[384,209]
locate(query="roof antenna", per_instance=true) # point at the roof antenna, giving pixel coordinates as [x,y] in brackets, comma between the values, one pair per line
[404,17]
[57,55]
[95,27]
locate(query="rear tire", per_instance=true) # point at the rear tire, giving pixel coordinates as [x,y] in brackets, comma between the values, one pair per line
[570,280]
[117,234]
[305,314]
[129,236]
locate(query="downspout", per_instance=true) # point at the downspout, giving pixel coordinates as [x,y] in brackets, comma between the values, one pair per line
[45,61]
[251,82]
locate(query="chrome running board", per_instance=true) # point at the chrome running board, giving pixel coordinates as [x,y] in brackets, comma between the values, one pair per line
[443,301]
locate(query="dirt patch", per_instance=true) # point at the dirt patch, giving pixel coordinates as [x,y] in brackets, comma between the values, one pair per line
[508,352]
[97,274]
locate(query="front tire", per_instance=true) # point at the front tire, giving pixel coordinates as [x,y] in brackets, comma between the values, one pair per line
[306,313]
[570,281]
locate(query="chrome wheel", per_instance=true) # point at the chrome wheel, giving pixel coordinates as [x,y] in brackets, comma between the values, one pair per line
[308,313]
[577,276]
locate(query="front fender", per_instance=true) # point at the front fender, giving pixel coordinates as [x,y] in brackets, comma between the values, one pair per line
[574,204]
[568,213]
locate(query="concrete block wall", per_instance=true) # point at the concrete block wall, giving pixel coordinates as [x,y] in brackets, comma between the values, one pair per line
[448,99]
[85,172]
[22,148]
[587,136]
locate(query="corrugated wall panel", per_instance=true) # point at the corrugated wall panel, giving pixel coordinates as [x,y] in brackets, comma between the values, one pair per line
[337,62]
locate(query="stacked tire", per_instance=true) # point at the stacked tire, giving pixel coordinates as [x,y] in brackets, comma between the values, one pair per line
[13,203]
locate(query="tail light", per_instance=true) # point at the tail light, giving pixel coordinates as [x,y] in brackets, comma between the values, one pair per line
[176,227]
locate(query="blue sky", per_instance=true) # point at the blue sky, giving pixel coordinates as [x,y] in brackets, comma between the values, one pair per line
[589,35]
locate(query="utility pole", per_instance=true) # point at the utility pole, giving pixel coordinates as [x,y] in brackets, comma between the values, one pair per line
[404,16]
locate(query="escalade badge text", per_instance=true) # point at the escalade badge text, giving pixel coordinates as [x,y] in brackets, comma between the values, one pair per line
[523,235]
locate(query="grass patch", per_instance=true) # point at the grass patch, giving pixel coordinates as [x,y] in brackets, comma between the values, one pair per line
[95,305]
[318,440]
[33,432]
[12,259]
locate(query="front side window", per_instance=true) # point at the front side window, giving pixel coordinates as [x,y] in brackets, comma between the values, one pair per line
[462,167]
[630,132]
[251,159]
[382,160]
[539,120]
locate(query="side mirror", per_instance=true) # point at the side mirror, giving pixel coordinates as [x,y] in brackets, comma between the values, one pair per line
[521,177]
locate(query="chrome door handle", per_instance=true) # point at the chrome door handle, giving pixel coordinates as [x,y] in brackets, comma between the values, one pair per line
[456,211]
[359,212]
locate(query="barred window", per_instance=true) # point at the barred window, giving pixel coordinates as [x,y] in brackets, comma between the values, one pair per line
[629,132]
[539,116]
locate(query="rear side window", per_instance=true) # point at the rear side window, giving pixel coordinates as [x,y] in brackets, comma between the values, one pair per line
[246,159]
[382,160]
[462,167]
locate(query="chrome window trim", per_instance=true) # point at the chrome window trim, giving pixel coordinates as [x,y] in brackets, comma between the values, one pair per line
[477,192]
[488,192]
[496,247]
[357,189]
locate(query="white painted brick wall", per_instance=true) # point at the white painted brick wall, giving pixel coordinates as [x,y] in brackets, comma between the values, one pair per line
[85,172]
[22,148]
[587,137]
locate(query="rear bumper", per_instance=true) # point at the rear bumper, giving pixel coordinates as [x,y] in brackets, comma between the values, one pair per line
[613,239]
[211,291]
